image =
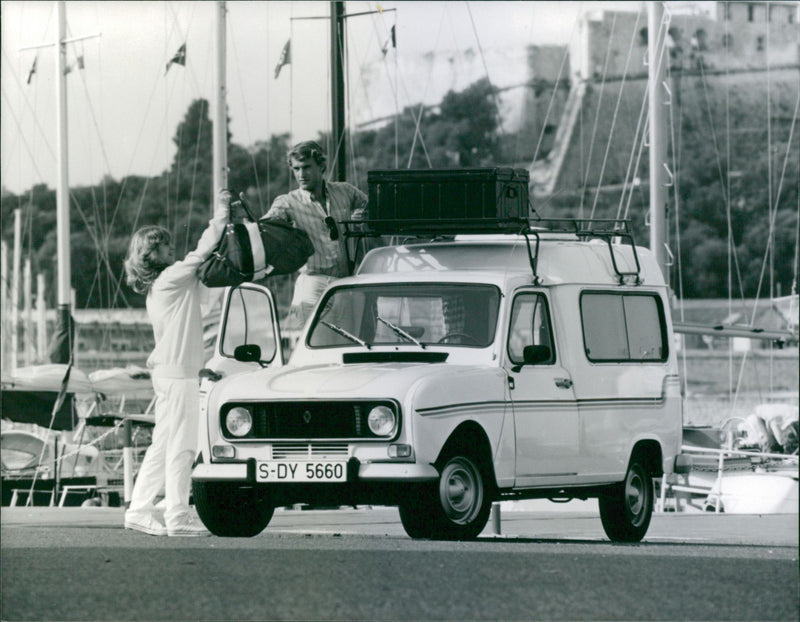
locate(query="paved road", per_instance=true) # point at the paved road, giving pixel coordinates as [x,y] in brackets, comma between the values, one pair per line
[78,564]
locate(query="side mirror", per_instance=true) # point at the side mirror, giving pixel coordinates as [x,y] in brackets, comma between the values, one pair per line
[535,354]
[248,353]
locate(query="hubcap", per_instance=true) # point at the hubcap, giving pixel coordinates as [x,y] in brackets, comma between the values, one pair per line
[635,495]
[461,491]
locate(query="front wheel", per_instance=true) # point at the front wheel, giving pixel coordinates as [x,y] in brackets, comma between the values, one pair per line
[228,510]
[626,509]
[461,502]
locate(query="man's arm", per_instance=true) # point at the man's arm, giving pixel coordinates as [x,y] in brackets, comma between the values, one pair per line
[279,210]
[358,205]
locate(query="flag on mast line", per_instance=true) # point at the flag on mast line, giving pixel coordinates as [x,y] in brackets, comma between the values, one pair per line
[33,70]
[285,59]
[178,59]
[391,38]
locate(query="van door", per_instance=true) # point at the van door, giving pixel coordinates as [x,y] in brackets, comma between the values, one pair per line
[249,317]
[542,397]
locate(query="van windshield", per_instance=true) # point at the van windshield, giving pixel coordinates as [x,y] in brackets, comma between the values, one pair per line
[410,314]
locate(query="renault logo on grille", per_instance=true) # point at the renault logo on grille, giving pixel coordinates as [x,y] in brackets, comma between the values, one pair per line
[307,416]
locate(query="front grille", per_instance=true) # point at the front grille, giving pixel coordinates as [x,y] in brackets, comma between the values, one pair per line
[308,420]
[299,451]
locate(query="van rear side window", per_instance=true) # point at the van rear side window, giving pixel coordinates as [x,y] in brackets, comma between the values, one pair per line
[623,327]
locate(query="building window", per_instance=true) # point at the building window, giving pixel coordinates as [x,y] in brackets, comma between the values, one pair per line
[760,44]
[727,40]
[727,13]
[750,12]
[702,39]
[643,36]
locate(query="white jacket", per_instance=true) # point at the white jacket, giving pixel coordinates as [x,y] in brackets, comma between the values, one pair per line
[173,306]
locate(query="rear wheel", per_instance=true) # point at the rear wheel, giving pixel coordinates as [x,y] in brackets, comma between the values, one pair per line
[228,510]
[626,509]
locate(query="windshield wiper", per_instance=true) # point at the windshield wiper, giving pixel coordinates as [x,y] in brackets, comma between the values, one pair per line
[344,333]
[401,332]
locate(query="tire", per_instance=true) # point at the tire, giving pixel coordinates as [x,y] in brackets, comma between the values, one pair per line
[461,502]
[229,511]
[626,509]
[416,511]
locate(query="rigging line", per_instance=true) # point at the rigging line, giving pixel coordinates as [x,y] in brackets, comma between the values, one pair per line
[250,152]
[564,58]
[773,214]
[117,291]
[418,117]
[725,196]
[103,251]
[796,267]
[351,45]
[518,141]
[392,87]
[639,155]
[34,116]
[486,70]
[10,109]
[193,186]
[637,146]
[597,116]
[126,175]
[616,113]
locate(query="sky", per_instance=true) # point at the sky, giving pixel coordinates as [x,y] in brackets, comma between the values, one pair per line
[124,105]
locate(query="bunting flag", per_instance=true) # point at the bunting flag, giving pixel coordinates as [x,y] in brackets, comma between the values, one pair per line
[80,61]
[285,59]
[178,59]
[33,70]
[391,38]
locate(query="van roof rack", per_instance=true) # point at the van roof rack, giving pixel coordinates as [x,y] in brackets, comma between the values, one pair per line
[607,229]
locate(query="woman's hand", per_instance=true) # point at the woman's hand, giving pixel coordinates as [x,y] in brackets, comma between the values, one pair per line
[223,206]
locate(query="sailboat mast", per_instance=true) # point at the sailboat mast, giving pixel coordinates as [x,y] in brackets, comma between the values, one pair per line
[658,95]
[339,166]
[220,139]
[62,189]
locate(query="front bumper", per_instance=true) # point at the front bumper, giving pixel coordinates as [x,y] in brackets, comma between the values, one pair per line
[371,472]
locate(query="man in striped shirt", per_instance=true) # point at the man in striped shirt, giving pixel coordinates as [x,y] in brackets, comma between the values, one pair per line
[317,207]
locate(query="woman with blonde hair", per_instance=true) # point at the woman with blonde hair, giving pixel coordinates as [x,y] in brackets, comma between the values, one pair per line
[174,294]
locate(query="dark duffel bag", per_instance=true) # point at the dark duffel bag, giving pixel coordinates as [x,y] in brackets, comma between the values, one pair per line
[249,251]
[286,248]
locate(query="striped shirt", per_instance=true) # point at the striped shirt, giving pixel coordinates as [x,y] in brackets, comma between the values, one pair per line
[343,201]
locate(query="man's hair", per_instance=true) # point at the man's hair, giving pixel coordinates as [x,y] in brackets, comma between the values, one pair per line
[141,267]
[305,150]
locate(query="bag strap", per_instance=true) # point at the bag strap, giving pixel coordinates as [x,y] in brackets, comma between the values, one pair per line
[243,202]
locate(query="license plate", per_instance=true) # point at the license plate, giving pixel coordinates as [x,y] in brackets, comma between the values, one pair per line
[301,471]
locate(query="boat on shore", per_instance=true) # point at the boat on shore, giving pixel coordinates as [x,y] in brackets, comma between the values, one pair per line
[746,466]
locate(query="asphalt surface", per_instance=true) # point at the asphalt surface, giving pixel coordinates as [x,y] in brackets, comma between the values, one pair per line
[547,563]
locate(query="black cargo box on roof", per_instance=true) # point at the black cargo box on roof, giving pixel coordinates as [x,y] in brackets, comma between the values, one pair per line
[448,200]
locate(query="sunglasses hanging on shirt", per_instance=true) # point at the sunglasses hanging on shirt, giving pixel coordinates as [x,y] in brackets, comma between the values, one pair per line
[334,230]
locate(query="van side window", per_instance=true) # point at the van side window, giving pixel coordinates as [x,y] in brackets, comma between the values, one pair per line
[530,326]
[623,327]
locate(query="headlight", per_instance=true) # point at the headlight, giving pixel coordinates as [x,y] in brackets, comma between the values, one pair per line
[239,421]
[382,421]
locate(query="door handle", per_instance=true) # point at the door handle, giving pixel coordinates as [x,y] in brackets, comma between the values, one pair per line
[563,383]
